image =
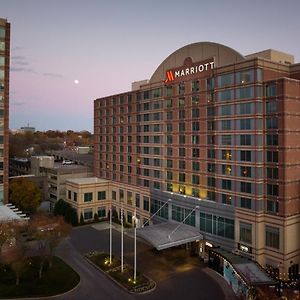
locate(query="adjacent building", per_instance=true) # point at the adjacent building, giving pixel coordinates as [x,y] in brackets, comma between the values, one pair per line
[213,138]
[4,107]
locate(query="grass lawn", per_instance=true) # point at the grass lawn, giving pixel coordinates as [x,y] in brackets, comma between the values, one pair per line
[59,279]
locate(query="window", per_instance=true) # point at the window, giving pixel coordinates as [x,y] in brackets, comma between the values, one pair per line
[226,169]
[181,152]
[246,203]
[196,126]
[272,139]
[245,232]
[272,123]
[181,114]
[211,181]
[245,139]
[246,187]
[114,195]
[182,164]
[195,86]
[211,125]
[88,214]
[272,237]
[245,171]
[272,190]
[195,113]
[101,212]
[225,80]
[169,163]
[195,100]
[75,196]
[69,194]
[226,154]
[211,196]
[181,101]
[169,127]
[226,184]
[211,153]
[271,107]
[225,95]
[196,166]
[211,168]
[246,92]
[244,77]
[272,156]
[146,203]
[195,179]
[271,90]
[226,199]
[226,110]
[196,152]
[195,139]
[88,197]
[101,195]
[169,175]
[169,139]
[272,173]
[181,127]
[245,108]
[226,139]
[245,124]
[169,151]
[245,155]
[272,206]
[137,200]
[226,124]
[182,139]
[182,177]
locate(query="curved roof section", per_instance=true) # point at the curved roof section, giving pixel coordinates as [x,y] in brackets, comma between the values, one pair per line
[222,54]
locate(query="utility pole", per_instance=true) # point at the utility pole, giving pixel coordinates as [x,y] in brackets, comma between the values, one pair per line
[110,235]
[122,239]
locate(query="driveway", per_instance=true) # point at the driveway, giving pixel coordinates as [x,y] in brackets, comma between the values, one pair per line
[176,279]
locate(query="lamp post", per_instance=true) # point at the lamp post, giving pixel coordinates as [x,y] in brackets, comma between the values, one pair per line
[134,224]
[122,239]
[110,235]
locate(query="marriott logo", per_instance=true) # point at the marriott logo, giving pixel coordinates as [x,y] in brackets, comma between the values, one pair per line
[171,75]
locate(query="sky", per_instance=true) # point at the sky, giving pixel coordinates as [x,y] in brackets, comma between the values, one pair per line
[108,44]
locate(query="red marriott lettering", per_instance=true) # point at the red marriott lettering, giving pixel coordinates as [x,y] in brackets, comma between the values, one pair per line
[171,75]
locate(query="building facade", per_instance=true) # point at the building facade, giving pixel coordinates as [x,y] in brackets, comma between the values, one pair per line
[4,107]
[215,134]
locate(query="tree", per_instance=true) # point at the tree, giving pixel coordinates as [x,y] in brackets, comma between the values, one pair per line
[25,194]
[96,218]
[81,219]
[64,209]
[6,233]
[15,256]
[48,231]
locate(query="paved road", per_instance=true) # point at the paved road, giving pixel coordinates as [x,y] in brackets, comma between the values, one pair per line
[174,281]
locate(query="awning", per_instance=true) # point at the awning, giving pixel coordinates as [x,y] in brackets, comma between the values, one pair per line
[169,234]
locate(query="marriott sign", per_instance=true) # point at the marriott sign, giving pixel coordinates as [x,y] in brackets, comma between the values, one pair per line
[195,68]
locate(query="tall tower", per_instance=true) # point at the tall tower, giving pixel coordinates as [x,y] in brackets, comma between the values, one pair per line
[4,107]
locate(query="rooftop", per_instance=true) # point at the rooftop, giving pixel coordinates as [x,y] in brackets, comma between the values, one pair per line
[87,180]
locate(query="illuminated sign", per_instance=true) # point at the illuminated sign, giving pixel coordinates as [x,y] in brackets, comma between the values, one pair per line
[193,69]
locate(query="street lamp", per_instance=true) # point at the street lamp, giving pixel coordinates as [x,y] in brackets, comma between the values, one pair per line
[122,239]
[134,224]
[110,235]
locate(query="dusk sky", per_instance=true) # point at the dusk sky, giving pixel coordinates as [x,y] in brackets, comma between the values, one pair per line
[106,45]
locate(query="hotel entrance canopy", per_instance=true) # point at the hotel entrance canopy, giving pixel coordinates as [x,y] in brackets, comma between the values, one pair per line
[169,234]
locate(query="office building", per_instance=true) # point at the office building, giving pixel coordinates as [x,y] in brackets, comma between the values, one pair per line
[213,137]
[4,107]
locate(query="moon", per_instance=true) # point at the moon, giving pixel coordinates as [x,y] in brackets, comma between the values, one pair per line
[76,81]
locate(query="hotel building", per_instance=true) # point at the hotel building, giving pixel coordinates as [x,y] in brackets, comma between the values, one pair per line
[4,107]
[213,137]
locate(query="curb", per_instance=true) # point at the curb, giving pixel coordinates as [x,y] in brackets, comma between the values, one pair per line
[119,284]
[47,297]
